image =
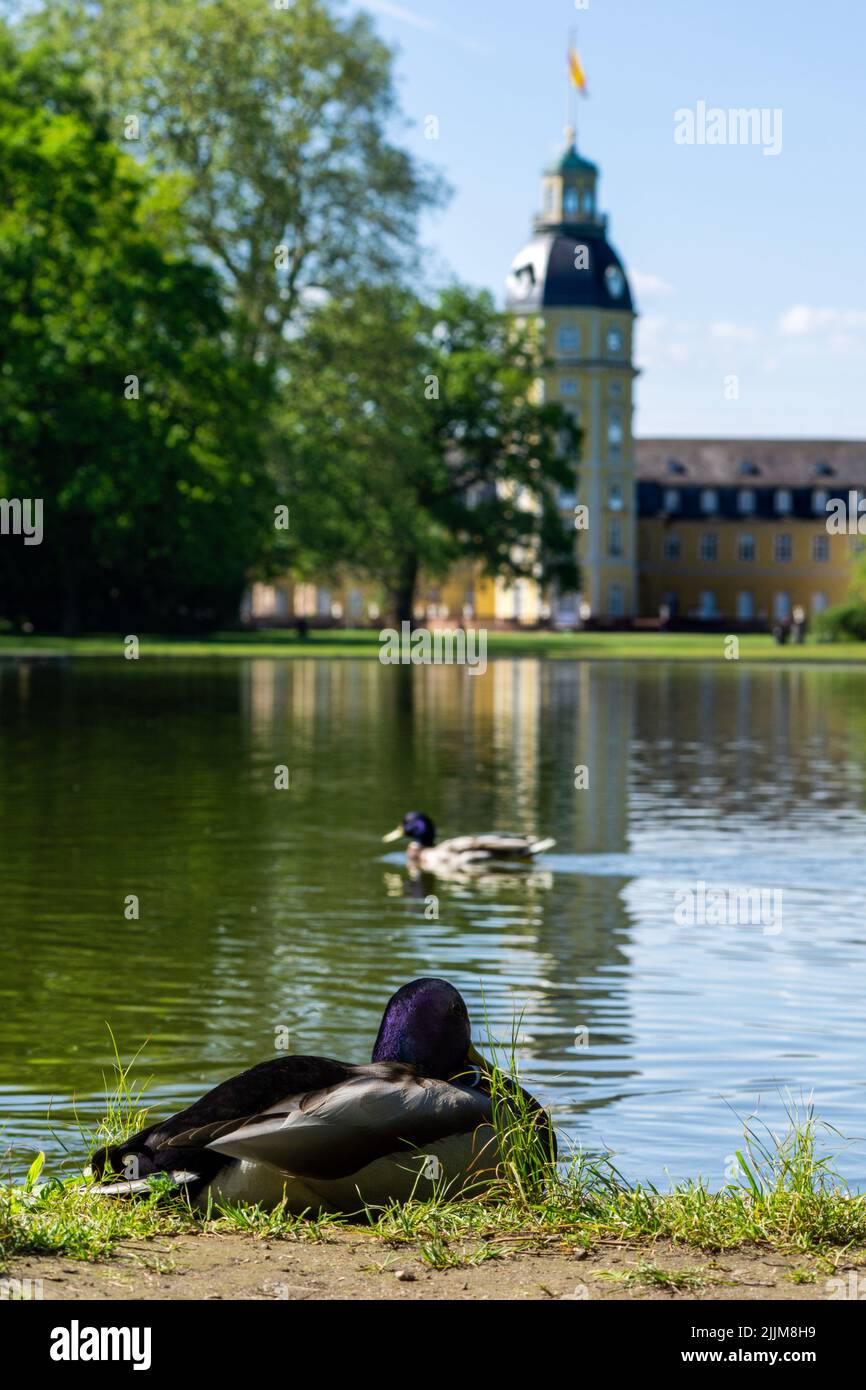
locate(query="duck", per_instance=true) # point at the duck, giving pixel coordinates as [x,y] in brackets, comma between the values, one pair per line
[494,850]
[327,1137]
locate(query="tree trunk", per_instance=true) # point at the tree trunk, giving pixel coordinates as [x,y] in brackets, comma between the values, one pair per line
[403,592]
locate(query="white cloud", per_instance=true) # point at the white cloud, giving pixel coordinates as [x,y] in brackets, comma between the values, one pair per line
[802,321]
[646,283]
[734,332]
[420,21]
[661,339]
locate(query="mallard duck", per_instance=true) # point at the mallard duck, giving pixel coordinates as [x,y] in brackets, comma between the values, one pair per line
[326,1136]
[464,853]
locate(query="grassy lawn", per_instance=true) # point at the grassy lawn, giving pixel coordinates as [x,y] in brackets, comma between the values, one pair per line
[587,646]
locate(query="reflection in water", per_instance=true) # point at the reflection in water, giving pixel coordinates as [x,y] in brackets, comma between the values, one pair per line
[262,909]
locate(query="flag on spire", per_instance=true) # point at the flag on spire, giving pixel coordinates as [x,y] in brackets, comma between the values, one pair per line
[575,68]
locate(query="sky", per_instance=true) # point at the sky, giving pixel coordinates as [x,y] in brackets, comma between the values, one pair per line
[749,268]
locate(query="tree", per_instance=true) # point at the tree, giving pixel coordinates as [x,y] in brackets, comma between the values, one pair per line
[121,406]
[274,122]
[416,437]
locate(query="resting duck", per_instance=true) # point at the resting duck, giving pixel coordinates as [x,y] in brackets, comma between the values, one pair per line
[466,852]
[330,1137]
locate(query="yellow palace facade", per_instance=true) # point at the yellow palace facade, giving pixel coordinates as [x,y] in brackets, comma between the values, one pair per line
[694,531]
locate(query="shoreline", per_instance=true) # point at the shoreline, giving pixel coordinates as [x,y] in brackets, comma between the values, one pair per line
[363,644]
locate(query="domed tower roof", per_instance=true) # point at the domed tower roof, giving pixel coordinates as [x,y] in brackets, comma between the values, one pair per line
[571,162]
[570,262]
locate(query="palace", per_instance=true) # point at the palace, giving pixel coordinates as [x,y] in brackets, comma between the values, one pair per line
[691,531]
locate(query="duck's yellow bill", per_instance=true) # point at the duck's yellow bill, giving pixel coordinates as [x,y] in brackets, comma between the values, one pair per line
[393,835]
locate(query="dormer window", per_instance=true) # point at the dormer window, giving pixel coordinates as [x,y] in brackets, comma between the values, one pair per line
[746,500]
[674,466]
[709,500]
[783,500]
[820,497]
[671,501]
[748,469]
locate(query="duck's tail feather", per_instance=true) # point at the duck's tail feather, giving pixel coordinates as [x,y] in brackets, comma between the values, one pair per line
[541,846]
[142,1187]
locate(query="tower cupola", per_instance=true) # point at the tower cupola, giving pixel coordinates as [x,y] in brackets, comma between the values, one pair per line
[569,191]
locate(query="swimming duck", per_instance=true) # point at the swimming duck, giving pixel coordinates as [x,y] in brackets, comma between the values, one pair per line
[326,1136]
[494,850]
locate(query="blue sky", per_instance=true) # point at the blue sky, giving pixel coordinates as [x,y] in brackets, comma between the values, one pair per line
[745,265]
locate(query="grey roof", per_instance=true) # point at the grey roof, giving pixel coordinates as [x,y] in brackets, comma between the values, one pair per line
[751,462]
[551,280]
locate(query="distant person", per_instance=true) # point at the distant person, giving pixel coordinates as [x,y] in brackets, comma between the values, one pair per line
[302,627]
[800,625]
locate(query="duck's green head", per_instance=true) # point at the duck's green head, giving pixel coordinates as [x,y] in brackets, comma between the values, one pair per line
[416,827]
[426,1024]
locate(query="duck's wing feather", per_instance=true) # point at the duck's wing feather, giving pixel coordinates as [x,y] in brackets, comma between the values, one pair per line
[496,845]
[381,1109]
[180,1142]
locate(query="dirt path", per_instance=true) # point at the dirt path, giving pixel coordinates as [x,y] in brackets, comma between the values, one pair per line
[354,1265]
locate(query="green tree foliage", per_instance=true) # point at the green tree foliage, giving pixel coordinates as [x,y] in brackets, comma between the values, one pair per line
[416,438]
[275,123]
[155,506]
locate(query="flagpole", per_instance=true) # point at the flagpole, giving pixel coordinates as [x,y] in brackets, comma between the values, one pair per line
[572,41]
[567,89]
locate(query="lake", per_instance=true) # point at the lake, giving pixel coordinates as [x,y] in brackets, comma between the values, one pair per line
[652,1017]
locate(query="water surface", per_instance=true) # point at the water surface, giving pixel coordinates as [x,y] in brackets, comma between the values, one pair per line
[264,910]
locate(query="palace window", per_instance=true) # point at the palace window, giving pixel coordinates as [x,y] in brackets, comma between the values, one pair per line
[614,497]
[567,386]
[709,546]
[783,548]
[568,339]
[672,547]
[820,498]
[614,600]
[709,499]
[707,606]
[614,540]
[746,549]
[613,341]
[746,500]
[820,549]
[783,500]
[671,502]
[819,602]
[745,605]
[614,427]
[782,605]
